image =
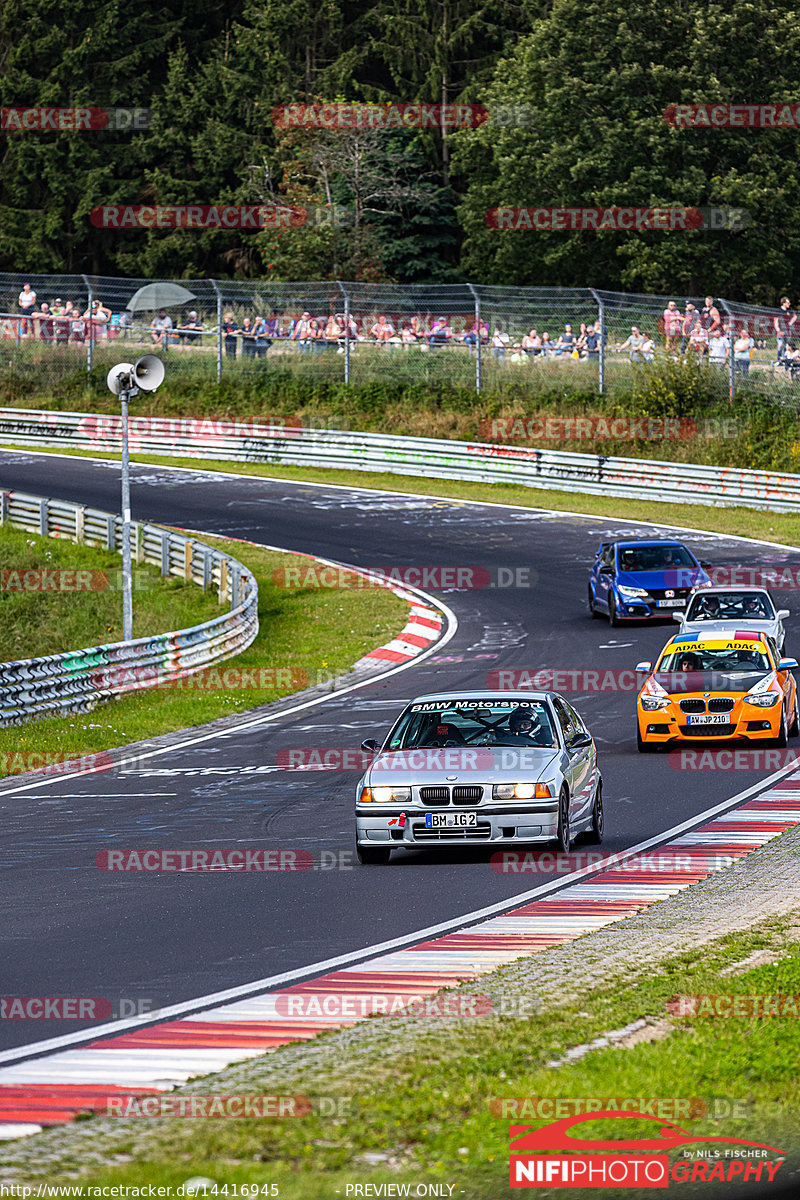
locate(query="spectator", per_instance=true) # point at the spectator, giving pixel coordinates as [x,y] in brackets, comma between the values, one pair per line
[441,333]
[633,344]
[191,332]
[698,337]
[718,347]
[229,332]
[500,340]
[580,341]
[532,344]
[687,325]
[160,328]
[592,343]
[263,340]
[27,303]
[784,326]
[565,343]
[247,334]
[382,330]
[672,326]
[743,352]
[63,323]
[78,323]
[98,317]
[272,329]
[410,335]
[44,322]
[548,348]
[302,333]
[125,323]
[648,348]
[709,317]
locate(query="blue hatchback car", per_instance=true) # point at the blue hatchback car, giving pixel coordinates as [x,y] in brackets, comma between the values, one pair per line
[641,580]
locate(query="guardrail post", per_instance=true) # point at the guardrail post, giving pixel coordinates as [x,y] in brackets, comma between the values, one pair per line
[223,580]
[80,514]
[346,295]
[165,554]
[477,300]
[219,329]
[187,561]
[3,507]
[111,533]
[90,341]
[44,523]
[206,570]
[235,581]
[138,535]
[601,360]
[19,332]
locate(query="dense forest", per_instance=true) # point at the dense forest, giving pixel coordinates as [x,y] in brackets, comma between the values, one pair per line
[591,78]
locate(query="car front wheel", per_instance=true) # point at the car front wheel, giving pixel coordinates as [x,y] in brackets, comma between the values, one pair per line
[564,835]
[613,618]
[594,833]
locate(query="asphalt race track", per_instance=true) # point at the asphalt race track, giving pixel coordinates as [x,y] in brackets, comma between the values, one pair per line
[70,929]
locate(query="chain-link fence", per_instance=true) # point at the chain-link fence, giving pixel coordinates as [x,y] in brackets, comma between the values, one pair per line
[52,326]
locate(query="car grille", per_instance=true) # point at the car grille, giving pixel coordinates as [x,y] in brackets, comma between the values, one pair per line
[693,706]
[434,795]
[709,731]
[720,704]
[467,794]
[482,830]
[661,593]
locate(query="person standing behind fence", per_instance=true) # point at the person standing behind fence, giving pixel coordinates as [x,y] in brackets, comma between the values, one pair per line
[687,325]
[263,340]
[742,352]
[500,340]
[672,326]
[710,319]
[592,343]
[302,333]
[718,347]
[27,303]
[229,335]
[784,325]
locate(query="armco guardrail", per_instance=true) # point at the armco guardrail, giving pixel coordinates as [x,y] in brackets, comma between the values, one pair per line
[77,680]
[478,462]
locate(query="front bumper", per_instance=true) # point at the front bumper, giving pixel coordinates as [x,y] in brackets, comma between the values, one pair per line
[520,824]
[646,610]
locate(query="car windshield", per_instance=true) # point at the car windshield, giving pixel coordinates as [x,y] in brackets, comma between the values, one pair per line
[731,658]
[654,558]
[730,606]
[475,723]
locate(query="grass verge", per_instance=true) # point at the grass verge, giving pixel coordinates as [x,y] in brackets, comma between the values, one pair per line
[727,1077]
[306,635]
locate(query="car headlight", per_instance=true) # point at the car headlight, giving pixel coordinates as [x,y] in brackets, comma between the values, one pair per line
[630,591]
[651,703]
[522,791]
[385,795]
[764,700]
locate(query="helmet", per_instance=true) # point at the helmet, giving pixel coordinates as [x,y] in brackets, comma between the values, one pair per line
[687,662]
[523,720]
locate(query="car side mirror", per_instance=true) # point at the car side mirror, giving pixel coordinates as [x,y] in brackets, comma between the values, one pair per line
[787,664]
[678,617]
[783,612]
[580,741]
[606,570]
[644,666]
[370,745]
[706,565]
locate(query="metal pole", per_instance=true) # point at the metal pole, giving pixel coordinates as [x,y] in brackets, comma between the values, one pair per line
[90,343]
[127,589]
[477,338]
[219,329]
[346,294]
[731,363]
[601,361]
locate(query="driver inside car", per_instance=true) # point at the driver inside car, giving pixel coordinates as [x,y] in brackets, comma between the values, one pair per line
[708,609]
[524,726]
